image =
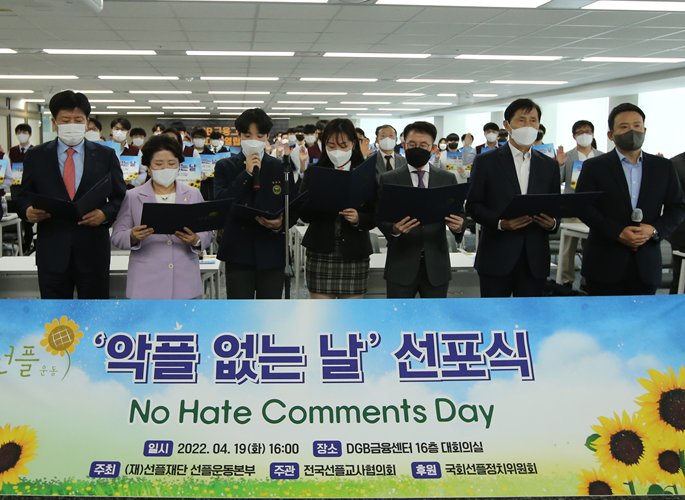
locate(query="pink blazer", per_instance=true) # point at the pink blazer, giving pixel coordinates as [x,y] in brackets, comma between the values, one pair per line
[161,266]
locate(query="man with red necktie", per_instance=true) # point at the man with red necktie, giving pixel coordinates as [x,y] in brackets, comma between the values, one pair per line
[71,254]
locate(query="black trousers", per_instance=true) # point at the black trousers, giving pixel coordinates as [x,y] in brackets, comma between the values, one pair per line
[629,284]
[519,283]
[677,264]
[420,285]
[88,285]
[248,282]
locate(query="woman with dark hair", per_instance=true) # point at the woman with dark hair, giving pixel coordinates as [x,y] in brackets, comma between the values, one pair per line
[160,266]
[338,244]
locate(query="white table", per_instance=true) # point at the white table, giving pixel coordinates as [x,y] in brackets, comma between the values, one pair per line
[19,276]
[12,220]
[569,230]
[458,260]
[681,278]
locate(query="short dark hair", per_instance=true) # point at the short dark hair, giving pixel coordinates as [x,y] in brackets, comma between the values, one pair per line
[176,133]
[95,122]
[442,139]
[360,131]
[68,100]
[198,132]
[161,143]
[216,135]
[120,120]
[321,124]
[623,108]
[463,136]
[159,126]
[178,125]
[258,116]
[387,125]
[137,131]
[452,137]
[23,127]
[341,126]
[423,127]
[490,126]
[524,104]
[309,128]
[581,124]
[542,128]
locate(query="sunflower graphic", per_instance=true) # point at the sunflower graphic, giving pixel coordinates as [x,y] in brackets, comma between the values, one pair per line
[663,407]
[61,337]
[595,482]
[662,464]
[17,447]
[621,446]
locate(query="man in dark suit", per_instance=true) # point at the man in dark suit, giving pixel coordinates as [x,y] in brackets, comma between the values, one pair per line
[418,258]
[642,204]
[71,254]
[23,133]
[513,254]
[386,157]
[677,239]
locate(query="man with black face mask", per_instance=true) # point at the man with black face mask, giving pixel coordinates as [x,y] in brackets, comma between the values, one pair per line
[642,204]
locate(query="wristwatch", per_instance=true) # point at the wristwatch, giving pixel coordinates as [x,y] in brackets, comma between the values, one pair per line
[655,234]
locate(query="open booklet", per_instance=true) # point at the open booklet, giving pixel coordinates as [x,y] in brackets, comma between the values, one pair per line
[427,205]
[248,212]
[554,205]
[74,210]
[167,218]
[332,190]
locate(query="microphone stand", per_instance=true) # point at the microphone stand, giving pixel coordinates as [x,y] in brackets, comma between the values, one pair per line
[287,270]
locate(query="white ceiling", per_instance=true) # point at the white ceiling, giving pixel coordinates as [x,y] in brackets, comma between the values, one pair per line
[559,28]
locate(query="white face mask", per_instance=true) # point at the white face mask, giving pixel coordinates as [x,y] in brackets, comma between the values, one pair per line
[284,141]
[118,135]
[71,134]
[217,143]
[251,147]
[492,137]
[138,141]
[157,132]
[387,143]
[524,136]
[339,157]
[442,146]
[93,135]
[23,138]
[199,143]
[310,139]
[292,139]
[584,140]
[165,177]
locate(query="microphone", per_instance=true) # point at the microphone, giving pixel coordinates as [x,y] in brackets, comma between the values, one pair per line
[255,179]
[636,217]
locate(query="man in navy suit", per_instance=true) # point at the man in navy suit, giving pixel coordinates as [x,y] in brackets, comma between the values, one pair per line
[71,254]
[513,254]
[642,204]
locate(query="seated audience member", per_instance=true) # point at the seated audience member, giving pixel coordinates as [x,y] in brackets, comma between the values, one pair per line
[161,266]
[253,248]
[418,260]
[642,203]
[513,256]
[71,255]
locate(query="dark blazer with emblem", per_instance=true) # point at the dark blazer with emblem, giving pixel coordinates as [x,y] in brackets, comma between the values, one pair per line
[61,241]
[245,241]
[404,252]
[494,184]
[661,200]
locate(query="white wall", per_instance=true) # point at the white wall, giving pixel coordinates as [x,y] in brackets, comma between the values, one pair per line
[461,123]
[664,110]
[560,117]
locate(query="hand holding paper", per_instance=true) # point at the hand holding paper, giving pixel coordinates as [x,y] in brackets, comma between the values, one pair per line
[94,218]
[405,225]
[517,223]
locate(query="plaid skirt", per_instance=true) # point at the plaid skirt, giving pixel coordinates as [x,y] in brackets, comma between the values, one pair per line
[330,274]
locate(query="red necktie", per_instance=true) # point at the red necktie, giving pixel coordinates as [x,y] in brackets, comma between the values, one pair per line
[70,173]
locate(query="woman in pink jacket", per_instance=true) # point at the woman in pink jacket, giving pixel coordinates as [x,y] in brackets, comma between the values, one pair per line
[160,266]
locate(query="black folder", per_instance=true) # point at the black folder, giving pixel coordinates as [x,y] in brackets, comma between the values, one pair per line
[332,190]
[167,218]
[554,205]
[248,212]
[74,210]
[427,205]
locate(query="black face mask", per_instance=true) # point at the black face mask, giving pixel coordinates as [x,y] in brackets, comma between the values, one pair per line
[417,157]
[452,145]
[630,141]
[299,137]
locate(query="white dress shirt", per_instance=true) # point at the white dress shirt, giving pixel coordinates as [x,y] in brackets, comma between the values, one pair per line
[522,164]
[415,177]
